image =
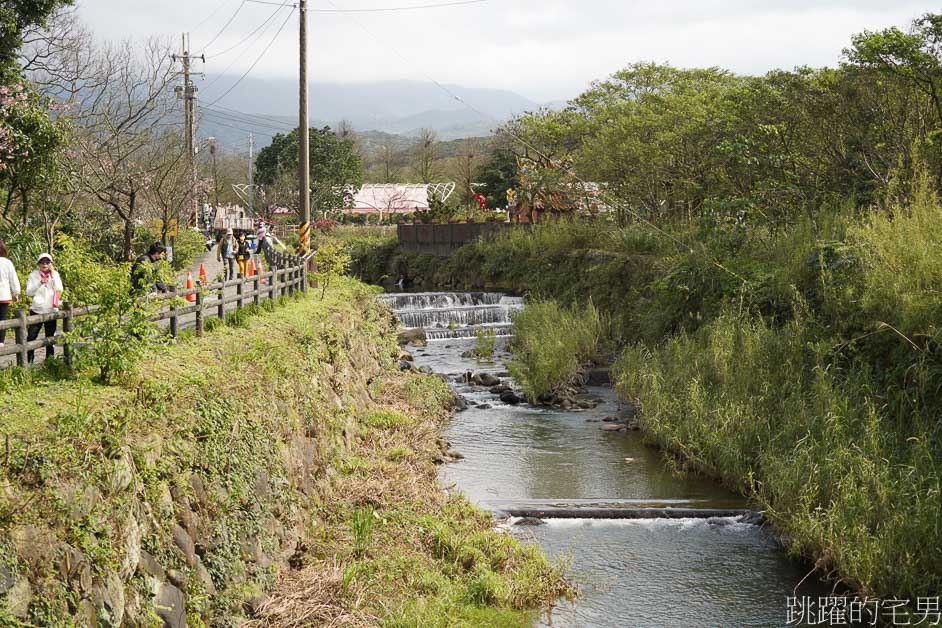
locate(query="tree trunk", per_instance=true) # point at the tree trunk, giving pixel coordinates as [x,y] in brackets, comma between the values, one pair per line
[128,239]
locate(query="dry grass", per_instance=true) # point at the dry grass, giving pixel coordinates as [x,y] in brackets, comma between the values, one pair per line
[310,598]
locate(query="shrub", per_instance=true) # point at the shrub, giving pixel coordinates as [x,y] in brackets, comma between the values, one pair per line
[551,343]
[484,345]
[333,261]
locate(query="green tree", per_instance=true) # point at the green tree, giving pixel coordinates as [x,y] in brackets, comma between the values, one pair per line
[496,175]
[15,18]
[335,167]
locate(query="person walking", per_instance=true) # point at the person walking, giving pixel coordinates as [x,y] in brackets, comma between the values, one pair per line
[226,252]
[44,286]
[243,255]
[145,272]
[9,288]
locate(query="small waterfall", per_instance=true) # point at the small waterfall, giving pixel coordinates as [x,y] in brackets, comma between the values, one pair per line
[453,315]
[456,316]
[430,300]
[500,331]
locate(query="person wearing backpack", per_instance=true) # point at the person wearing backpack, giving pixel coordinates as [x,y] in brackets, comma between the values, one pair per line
[44,286]
[9,288]
[243,255]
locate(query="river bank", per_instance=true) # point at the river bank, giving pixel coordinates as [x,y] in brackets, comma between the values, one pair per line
[283,470]
[798,367]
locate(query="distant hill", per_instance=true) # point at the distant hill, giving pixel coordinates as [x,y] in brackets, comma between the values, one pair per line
[394,107]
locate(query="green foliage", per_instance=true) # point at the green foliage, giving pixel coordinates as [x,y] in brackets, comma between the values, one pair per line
[334,164]
[551,344]
[362,526]
[333,260]
[15,18]
[485,339]
[387,419]
[113,338]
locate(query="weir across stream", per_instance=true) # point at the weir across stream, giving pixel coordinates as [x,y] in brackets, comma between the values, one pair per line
[645,548]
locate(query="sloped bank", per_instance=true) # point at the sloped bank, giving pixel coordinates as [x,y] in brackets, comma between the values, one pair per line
[284,470]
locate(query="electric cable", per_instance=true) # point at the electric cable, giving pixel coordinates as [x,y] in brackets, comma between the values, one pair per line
[210,16]
[378,10]
[214,115]
[257,59]
[225,26]
[250,115]
[266,24]
[247,37]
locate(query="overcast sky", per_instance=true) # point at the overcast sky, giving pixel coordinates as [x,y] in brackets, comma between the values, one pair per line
[543,49]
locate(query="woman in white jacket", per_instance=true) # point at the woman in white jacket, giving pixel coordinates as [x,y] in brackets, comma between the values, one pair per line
[45,287]
[9,288]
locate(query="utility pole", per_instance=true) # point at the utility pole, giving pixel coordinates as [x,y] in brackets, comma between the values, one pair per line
[251,175]
[188,93]
[304,172]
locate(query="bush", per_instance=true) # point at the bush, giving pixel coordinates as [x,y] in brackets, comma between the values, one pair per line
[552,343]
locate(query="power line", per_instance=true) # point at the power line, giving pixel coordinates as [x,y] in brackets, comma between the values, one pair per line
[249,119]
[225,26]
[229,118]
[250,115]
[380,10]
[211,15]
[264,24]
[247,37]
[239,128]
[254,63]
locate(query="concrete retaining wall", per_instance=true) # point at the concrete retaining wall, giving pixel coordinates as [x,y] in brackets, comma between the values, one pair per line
[443,240]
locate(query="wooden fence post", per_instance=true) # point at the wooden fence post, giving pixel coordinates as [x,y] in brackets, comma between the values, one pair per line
[66,330]
[304,276]
[199,314]
[221,308]
[239,290]
[21,331]
[173,312]
[256,298]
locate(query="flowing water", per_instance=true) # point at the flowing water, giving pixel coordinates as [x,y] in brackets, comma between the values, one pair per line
[637,572]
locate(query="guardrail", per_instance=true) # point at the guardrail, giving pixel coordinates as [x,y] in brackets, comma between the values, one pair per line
[288,275]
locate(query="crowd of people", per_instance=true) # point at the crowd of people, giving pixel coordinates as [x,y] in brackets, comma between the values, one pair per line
[44,284]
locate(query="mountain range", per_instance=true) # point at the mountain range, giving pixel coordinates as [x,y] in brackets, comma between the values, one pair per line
[269,106]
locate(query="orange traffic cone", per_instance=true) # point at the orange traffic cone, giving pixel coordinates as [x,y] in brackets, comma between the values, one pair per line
[189,286]
[203,274]
[260,270]
[251,268]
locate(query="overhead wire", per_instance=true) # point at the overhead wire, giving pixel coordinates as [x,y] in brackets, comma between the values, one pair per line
[211,15]
[247,37]
[266,24]
[375,10]
[251,115]
[501,129]
[231,118]
[225,26]
[254,63]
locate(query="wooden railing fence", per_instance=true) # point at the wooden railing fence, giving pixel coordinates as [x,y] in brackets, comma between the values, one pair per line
[288,276]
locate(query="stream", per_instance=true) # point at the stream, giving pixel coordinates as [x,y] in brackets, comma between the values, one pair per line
[687,571]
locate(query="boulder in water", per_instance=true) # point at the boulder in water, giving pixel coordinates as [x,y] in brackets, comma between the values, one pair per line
[510,397]
[499,389]
[485,379]
[412,337]
[529,521]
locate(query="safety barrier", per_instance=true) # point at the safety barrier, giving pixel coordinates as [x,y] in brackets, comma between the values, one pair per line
[288,275]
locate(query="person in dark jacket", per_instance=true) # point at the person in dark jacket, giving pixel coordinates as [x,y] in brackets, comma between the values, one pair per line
[145,275]
[243,255]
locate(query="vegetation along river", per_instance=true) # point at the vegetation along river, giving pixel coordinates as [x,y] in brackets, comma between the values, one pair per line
[688,571]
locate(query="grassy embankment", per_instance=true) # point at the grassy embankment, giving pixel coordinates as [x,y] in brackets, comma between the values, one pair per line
[801,367]
[283,454]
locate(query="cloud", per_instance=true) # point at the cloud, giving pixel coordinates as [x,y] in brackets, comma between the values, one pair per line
[545,49]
